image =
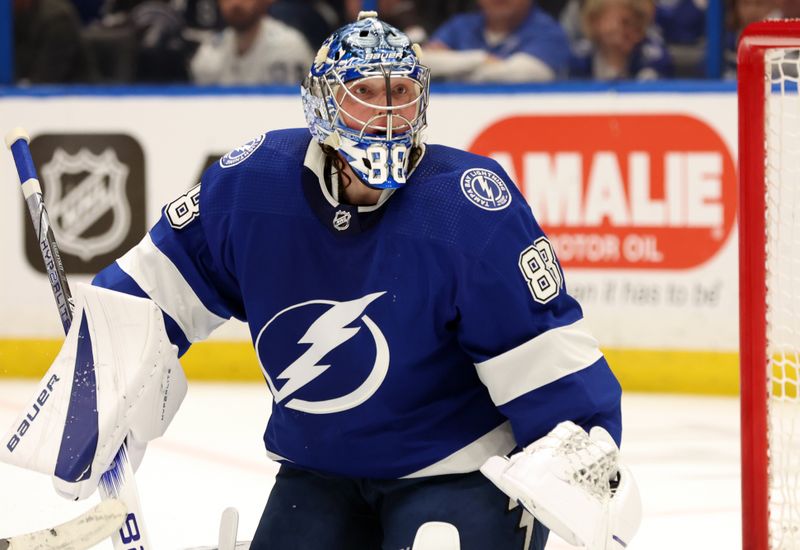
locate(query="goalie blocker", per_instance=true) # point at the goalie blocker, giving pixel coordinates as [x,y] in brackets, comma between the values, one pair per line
[109,382]
[574,484]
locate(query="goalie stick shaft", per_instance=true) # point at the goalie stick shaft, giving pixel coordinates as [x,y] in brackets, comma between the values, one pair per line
[118,481]
[44,232]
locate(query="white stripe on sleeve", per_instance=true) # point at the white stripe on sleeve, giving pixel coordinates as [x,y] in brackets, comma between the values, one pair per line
[155,273]
[544,359]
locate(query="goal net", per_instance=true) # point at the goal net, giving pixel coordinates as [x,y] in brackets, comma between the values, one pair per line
[769,278]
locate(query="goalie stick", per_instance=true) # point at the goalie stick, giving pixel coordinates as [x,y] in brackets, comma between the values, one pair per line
[84,531]
[118,482]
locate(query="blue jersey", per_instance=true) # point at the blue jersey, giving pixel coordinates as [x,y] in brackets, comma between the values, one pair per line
[539,36]
[415,337]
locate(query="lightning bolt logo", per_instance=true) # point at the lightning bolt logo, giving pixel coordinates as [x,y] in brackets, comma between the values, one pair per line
[487,191]
[325,334]
[525,522]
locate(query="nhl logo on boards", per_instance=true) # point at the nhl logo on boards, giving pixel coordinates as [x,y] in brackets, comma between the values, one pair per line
[101,190]
[341,220]
[241,153]
[94,189]
[485,189]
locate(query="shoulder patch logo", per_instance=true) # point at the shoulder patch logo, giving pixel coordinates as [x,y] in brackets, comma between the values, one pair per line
[240,154]
[485,189]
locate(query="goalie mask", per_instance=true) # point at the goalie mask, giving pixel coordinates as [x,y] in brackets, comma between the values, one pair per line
[366,96]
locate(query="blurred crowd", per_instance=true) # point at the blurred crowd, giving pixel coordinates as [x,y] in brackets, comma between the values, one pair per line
[236,42]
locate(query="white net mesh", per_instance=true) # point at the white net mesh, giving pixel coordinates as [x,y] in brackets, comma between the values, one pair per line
[783,295]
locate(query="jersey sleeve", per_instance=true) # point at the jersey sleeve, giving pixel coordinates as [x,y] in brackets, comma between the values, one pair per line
[179,267]
[527,336]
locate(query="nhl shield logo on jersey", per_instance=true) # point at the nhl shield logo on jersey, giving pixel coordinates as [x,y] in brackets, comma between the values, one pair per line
[300,344]
[485,189]
[241,153]
[341,220]
[81,189]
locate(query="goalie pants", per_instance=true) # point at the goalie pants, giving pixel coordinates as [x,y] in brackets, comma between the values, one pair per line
[307,510]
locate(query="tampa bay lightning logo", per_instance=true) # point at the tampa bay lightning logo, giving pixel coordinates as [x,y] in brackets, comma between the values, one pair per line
[303,341]
[240,154]
[485,189]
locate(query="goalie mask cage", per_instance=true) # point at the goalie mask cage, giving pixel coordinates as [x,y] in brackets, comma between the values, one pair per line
[769,281]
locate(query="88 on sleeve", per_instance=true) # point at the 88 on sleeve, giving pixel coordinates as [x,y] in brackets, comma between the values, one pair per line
[540,268]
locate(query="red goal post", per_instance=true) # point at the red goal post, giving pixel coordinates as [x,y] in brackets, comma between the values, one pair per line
[769,283]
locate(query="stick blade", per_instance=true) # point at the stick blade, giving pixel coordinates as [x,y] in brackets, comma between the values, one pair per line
[80,533]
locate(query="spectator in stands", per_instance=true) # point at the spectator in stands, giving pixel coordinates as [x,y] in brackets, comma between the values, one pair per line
[202,15]
[508,41]
[788,9]
[618,44]
[739,14]
[162,52]
[436,12]
[48,47]
[315,19]
[253,49]
[570,21]
[140,41]
[682,24]
[89,10]
[406,15]
[681,21]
